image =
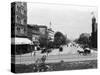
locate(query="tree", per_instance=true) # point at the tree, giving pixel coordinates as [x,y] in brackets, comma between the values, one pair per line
[50,44]
[59,39]
[43,41]
[83,40]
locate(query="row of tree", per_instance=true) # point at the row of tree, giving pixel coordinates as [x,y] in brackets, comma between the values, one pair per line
[85,41]
[59,39]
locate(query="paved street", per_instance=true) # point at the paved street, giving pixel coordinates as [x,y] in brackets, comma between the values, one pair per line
[69,54]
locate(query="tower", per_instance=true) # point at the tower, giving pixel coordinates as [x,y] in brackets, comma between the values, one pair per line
[94,32]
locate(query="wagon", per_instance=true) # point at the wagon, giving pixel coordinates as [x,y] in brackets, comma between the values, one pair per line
[85,51]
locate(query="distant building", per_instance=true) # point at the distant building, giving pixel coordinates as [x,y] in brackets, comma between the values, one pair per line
[43,39]
[94,33]
[50,34]
[19,19]
[29,31]
[43,31]
[33,33]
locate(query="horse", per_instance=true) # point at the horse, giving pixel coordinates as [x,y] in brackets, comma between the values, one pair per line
[80,52]
[87,51]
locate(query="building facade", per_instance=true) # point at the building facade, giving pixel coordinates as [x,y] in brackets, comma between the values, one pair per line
[29,31]
[43,31]
[33,33]
[50,34]
[43,39]
[19,19]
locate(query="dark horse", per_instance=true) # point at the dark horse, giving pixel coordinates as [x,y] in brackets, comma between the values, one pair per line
[80,52]
[85,52]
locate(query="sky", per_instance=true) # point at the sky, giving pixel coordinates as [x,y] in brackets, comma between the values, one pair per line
[71,20]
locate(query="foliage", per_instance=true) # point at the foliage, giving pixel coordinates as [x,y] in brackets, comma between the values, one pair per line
[50,44]
[20,68]
[84,41]
[59,39]
[43,41]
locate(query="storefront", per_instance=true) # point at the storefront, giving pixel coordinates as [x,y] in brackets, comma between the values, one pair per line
[21,45]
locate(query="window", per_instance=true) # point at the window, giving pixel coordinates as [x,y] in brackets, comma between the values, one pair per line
[18,8]
[22,3]
[22,11]
[18,19]
[22,30]
[22,22]
[17,29]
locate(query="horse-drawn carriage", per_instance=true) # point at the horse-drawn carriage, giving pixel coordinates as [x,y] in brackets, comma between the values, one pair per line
[85,51]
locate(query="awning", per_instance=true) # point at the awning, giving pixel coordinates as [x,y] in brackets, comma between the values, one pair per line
[20,41]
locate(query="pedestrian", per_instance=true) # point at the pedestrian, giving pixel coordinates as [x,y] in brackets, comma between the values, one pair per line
[67,45]
[35,49]
[43,58]
[60,49]
[38,48]
[34,53]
